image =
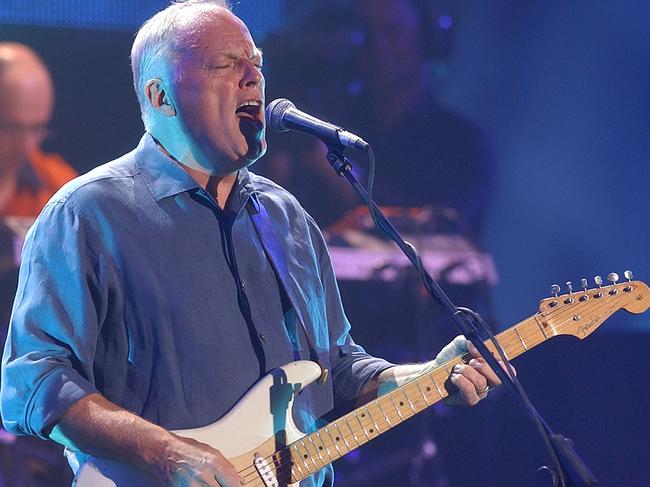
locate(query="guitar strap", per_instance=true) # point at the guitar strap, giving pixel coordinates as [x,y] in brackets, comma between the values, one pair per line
[275,253]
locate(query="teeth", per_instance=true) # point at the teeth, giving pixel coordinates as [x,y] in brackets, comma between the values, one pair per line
[255,103]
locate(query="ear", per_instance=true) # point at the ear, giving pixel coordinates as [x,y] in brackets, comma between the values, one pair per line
[155,92]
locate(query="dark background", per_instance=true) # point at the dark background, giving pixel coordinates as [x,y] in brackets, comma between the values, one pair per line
[563,90]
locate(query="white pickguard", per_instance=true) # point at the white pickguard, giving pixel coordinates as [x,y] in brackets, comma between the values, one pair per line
[263,412]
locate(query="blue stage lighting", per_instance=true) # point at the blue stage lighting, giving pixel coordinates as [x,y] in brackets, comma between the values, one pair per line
[262,16]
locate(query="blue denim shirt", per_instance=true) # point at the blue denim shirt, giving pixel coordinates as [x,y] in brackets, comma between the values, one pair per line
[135,284]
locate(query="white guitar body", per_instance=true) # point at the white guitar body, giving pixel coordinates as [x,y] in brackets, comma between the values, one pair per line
[257,426]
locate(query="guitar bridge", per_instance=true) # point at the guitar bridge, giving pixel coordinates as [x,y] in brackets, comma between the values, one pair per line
[265,471]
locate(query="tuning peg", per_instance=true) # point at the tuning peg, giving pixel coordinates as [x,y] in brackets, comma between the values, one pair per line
[598,280]
[612,277]
[584,284]
[569,286]
[628,275]
[555,290]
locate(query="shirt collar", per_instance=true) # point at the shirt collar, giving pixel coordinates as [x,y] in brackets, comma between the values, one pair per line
[164,177]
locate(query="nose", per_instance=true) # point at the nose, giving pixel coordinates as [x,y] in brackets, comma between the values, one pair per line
[252,76]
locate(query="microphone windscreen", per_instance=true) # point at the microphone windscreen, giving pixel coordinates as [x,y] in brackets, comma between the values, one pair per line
[275,114]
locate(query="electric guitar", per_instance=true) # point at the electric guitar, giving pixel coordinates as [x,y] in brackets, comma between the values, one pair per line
[260,438]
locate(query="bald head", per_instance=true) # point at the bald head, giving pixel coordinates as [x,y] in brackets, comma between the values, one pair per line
[26,103]
[163,37]
[22,71]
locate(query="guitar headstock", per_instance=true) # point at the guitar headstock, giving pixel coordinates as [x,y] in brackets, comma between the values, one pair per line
[579,313]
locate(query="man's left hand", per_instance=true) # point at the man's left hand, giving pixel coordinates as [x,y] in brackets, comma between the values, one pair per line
[474,379]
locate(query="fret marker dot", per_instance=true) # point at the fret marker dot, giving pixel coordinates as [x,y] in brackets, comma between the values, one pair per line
[401,403]
[428,389]
[306,456]
[363,415]
[337,438]
[320,447]
[371,430]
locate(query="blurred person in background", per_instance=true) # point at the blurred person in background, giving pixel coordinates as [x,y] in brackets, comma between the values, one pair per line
[28,176]
[377,80]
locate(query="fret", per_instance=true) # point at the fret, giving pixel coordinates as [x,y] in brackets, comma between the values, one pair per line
[335,443]
[327,450]
[377,415]
[373,420]
[407,395]
[399,413]
[368,427]
[308,454]
[403,401]
[390,425]
[532,332]
[422,393]
[415,393]
[540,329]
[506,344]
[354,435]
[442,391]
[523,344]
[435,383]
[317,448]
[301,460]
[341,435]
[360,424]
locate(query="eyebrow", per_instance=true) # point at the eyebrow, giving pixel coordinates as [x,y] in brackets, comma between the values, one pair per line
[256,54]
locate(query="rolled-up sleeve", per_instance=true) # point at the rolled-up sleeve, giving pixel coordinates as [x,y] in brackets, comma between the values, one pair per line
[48,356]
[351,365]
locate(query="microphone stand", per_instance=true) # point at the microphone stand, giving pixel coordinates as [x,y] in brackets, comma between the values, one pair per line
[568,470]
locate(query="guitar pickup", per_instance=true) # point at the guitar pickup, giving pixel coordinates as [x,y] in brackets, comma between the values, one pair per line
[265,471]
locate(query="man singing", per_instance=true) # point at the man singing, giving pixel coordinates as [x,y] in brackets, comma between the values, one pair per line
[156,289]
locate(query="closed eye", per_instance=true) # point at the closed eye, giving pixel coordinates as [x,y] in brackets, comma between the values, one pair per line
[218,66]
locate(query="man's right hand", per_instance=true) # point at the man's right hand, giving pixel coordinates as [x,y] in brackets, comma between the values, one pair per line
[101,428]
[190,463]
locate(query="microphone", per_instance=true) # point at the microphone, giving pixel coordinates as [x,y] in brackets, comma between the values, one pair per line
[282,116]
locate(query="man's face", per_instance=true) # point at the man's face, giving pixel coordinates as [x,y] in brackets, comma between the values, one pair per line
[26,101]
[219,94]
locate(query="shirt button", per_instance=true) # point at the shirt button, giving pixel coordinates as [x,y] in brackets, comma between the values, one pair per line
[262,337]
[243,285]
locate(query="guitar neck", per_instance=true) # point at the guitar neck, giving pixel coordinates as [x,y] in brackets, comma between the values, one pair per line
[318,449]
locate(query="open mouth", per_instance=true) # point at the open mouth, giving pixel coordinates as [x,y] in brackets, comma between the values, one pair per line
[251,110]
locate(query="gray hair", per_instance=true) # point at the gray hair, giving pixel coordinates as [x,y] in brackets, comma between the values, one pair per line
[160,38]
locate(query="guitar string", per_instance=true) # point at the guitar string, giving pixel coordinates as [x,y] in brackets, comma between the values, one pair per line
[523,336]
[508,343]
[393,419]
